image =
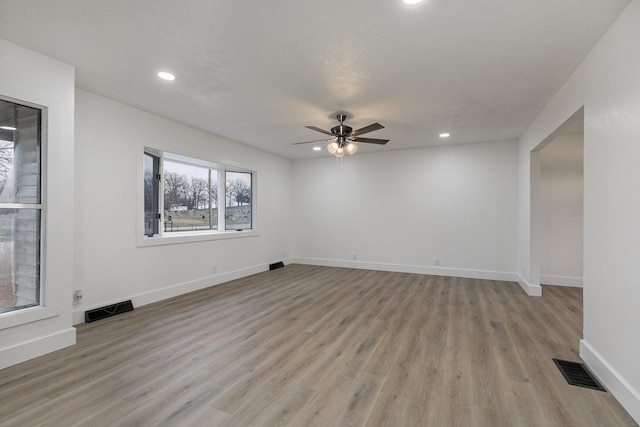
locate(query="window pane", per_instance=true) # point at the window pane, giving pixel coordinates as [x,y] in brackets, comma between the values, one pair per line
[19,153]
[186,197]
[151,166]
[19,228]
[213,196]
[238,201]
[19,258]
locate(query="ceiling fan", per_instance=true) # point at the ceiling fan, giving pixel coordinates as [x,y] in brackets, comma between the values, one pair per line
[344,138]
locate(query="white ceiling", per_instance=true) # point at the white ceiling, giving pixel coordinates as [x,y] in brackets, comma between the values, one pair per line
[257,72]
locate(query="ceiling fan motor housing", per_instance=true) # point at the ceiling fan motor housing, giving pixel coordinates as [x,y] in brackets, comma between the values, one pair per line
[341,130]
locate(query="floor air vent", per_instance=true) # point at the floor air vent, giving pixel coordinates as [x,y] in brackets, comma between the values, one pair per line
[107,311]
[577,374]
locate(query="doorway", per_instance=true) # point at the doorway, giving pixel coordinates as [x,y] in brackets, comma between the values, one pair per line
[557,206]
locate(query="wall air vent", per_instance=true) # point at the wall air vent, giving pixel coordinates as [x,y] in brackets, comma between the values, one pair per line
[276,265]
[107,311]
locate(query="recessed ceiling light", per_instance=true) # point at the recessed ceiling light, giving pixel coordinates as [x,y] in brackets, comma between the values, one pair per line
[8,128]
[411,1]
[166,76]
[445,135]
[317,148]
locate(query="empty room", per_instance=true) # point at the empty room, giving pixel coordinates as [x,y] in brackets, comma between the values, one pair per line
[367,213]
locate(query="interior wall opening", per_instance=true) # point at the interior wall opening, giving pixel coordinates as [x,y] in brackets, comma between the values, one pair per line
[557,206]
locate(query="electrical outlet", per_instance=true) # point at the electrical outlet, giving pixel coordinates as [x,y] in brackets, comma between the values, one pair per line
[355,257]
[215,269]
[77,297]
[436,261]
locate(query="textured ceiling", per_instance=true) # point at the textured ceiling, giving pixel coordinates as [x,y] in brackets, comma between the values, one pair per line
[257,72]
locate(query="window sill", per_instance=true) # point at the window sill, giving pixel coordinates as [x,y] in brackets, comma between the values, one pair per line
[22,316]
[188,237]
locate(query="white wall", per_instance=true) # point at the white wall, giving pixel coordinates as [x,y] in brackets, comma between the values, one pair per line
[561,203]
[608,86]
[612,205]
[109,266]
[401,210]
[33,78]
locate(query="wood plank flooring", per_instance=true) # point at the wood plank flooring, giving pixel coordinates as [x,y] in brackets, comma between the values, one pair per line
[319,346]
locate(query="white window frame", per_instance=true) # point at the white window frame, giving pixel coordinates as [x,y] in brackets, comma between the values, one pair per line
[170,238]
[49,304]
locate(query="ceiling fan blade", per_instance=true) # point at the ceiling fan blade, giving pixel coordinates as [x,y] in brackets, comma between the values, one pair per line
[309,142]
[367,129]
[319,130]
[372,140]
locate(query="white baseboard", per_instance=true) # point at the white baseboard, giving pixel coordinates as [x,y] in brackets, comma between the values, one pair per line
[406,268]
[529,289]
[182,288]
[175,290]
[572,281]
[36,348]
[628,397]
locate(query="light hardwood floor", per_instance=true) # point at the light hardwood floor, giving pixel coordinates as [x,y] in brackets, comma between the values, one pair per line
[307,345]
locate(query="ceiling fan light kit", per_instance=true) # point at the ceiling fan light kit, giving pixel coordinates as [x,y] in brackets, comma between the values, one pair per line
[332,147]
[345,138]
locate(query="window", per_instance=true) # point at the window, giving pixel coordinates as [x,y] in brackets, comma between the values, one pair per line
[20,206]
[181,197]
[189,204]
[151,177]
[238,206]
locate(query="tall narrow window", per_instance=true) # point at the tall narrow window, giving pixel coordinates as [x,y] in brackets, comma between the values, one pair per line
[20,206]
[238,205]
[213,198]
[151,190]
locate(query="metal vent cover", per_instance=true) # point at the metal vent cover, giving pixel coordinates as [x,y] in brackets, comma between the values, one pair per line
[577,374]
[107,311]
[275,265]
